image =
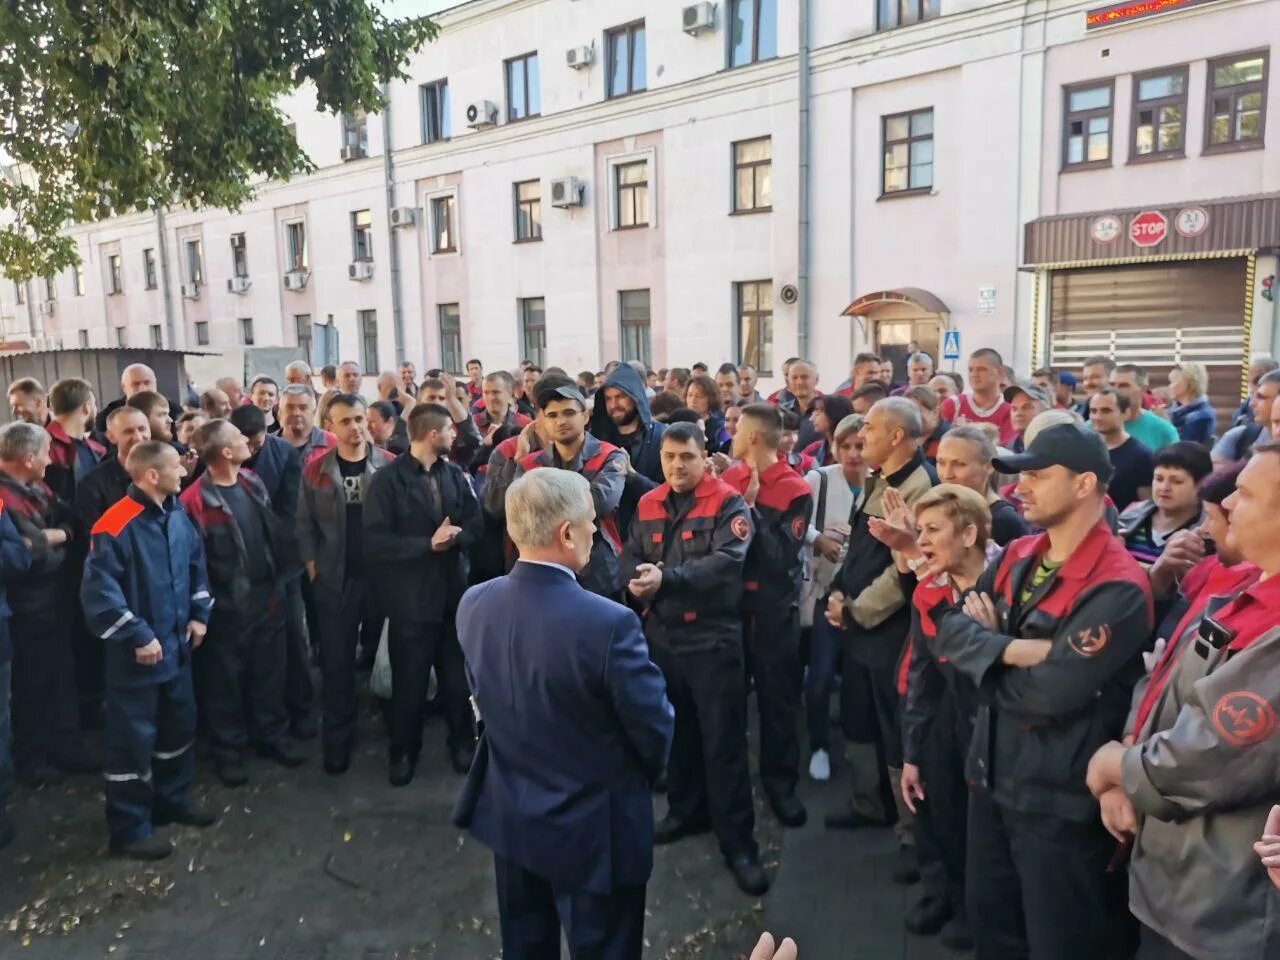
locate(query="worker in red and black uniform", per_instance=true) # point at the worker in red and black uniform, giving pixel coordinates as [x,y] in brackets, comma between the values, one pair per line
[683,566]
[563,414]
[45,721]
[106,483]
[499,409]
[244,659]
[780,502]
[1052,636]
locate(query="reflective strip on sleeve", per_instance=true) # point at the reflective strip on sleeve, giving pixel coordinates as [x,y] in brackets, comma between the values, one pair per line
[117,625]
[200,595]
[128,777]
[171,754]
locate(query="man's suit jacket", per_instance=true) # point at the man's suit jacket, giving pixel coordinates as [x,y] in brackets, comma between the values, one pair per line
[577,726]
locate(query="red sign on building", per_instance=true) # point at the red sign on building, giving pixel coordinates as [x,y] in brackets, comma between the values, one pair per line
[1148,228]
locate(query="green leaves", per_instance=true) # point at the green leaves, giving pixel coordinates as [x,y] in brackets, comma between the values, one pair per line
[119,105]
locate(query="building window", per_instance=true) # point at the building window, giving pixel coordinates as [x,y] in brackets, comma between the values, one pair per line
[367,321]
[522,87]
[908,153]
[633,311]
[1159,113]
[434,99]
[115,276]
[450,337]
[361,235]
[1237,102]
[355,135]
[902,13]
[533,330]
[625,46]
[753,175]
[195,262]
[302,330]
[149,267]
[1086,137]
[246,330]
[202,333]
[753,31]
[239,256]
[121,339]
[50,289]
[84,338]
[157,336]
[295,238]
[77,279]
[443,224]
[528,200]
[631,185]
[755,324]
[20,294]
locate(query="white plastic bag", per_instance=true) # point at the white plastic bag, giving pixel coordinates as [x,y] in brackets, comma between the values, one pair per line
[380,678]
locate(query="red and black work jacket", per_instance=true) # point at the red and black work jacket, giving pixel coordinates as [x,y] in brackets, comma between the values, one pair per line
[66,466]
[701,540]
[39,593]
[605,468]
[513,418]
[1036,728]
[225,554]
[781,516]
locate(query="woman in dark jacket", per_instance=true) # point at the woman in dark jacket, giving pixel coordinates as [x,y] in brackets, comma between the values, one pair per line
[828,410]
[702,397]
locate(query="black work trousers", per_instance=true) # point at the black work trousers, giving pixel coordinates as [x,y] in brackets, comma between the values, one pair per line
[45,711]
[299,694]
[532,910]
[772,641]
[415,648]
[244,662]
[339,615]
[708,777]
[1037,885]
[941,819]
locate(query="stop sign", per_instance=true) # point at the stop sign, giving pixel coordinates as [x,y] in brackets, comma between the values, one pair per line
[1148,228]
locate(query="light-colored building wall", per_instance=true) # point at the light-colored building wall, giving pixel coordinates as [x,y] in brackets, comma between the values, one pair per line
[992,72]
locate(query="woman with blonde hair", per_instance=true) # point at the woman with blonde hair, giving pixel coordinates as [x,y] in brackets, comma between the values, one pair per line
[1191,412]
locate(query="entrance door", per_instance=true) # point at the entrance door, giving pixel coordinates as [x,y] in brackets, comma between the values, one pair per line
[894,337]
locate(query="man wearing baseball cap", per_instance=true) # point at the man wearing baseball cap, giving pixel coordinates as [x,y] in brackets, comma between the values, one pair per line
[1026,400]
[1051,635]
[563,414]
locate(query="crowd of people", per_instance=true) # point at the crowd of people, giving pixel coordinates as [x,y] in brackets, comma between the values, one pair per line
[1045,607]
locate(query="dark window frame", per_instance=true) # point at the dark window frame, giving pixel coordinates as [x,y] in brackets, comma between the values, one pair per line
[1235,92]
[367,324]
[202,333]
[535,351]
[531,209]
[115,273]
[631,189]
[194,268]
[1069,116]
[83,336]
[296,260]
[157,336]
[244,328]
[450,335]
[754,166]
[77,279]
[359,231]
[436,96]
[628,32]
[756,6]
[449,203]
[305,338]
[523,62]
[355,132]
[149,268]
[1136,106]
[625,324]
[741,314]
[122,337]
[239,256]
[889,13]
[910,140]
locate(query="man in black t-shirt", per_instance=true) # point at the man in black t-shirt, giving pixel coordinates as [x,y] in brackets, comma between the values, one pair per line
[330,538]
[1131,461]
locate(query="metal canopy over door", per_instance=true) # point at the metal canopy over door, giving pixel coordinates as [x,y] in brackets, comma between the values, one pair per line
[1155,315]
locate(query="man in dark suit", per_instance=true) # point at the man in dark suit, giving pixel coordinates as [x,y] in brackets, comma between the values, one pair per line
[576,729]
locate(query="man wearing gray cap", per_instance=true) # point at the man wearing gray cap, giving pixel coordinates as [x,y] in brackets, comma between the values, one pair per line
[563,415]
[1026,400]
[1052,635]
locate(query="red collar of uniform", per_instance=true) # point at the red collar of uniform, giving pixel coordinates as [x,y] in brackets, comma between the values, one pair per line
[58,432]
[1265,592]
[779,468]
[1083,560]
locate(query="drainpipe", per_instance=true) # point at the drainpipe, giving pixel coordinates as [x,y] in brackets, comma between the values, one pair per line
[170,325]
[802,244]
[393,238]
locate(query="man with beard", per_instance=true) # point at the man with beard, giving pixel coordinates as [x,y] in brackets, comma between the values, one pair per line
[420,516]
[623,419]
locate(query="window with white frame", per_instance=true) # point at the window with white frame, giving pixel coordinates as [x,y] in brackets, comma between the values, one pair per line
[633,314]
[631,194]
[239,256]
[361,235]
[755,324]
[202,333]
[246,330]
[295,242]
[367,322]
[355,135]
[533,330]
[149,267]
[194,262]
[157,336]
[450,337]
[528,202]
[115,275]
[444,223]
[434,98]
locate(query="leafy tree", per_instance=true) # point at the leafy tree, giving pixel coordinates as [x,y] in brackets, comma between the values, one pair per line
[111,106]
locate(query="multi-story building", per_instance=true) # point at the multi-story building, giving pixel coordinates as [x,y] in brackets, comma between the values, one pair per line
[577,180]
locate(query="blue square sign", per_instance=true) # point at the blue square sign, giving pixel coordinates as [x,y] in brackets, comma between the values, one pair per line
[951,345]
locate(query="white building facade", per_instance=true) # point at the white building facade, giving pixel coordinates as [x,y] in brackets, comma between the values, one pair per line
[573,181]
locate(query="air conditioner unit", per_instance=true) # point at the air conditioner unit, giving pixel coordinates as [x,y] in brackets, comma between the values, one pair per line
[350,152]
[360,270]
[191,291]
[567,192]
[698,18]
[403,217]
[296,279]
[580,57]
[482,113]
[238,284]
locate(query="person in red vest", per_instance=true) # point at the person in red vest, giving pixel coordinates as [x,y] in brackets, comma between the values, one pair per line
[563,414]
[983,401]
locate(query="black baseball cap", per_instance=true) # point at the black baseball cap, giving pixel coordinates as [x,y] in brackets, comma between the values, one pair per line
[570,392]
[1069,445]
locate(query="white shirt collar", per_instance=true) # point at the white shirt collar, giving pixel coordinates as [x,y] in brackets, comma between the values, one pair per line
[553,566]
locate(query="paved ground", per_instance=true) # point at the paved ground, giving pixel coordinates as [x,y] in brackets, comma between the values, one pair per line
[307,866]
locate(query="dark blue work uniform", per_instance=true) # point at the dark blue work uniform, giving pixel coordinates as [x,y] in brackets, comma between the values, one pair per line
[145,579]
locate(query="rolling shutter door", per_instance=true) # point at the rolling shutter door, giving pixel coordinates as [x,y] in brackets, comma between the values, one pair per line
[1155,315]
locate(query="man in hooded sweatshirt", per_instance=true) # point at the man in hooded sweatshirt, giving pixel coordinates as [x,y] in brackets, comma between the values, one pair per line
[621,416]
